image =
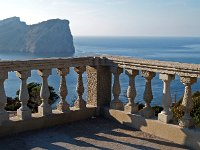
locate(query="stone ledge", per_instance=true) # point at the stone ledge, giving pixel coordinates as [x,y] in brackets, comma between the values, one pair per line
[14,125]
[184,136]
[167,67]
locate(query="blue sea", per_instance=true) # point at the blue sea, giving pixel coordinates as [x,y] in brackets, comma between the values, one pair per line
[178,49]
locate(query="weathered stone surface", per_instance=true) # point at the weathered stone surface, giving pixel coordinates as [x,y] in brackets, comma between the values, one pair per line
[187,103]
[3,99]
[166,118]
[183,136]
[98,85]
[166,115]
[80,102]
[166,67]
[44,109]
[63,106]
[91,134]
[116,103]
[24,112]
[147,111]
[38,121]
[131,107]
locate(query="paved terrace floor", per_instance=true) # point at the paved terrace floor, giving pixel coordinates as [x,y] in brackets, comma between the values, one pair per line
[96,133]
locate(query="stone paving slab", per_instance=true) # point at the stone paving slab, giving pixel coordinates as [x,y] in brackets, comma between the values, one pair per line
[95,133]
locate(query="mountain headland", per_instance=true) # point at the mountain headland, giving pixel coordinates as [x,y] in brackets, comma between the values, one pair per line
[51,36]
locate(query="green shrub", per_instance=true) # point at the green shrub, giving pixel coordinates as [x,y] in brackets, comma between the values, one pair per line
[34,98]
[195,113]
[12,104]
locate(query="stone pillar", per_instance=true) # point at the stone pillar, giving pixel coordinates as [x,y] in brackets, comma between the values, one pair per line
[44,109]
[147,111]
[116,103]
[131,107]
[3,99]
[166,115]
[63,106]
[98,86]
[80,103]
[187,102]
[24,112]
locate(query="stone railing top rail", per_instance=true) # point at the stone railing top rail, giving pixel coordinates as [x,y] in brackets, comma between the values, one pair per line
[45,63]
[181,69]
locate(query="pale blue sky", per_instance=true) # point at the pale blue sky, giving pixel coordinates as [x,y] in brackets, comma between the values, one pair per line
[112,17]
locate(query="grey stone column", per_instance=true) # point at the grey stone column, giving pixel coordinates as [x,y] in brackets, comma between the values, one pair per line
[63,106]
[44,109]
[98,86]
[80,103]
[147,111]
[187,102]
[24,112]
[116,103]
[131,107]
[166,115]
[3,99]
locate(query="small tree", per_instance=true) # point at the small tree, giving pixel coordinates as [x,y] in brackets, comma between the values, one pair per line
[34,97]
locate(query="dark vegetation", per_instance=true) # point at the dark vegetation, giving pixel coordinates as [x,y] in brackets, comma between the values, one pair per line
[177,109]
[195,113]
[34,98]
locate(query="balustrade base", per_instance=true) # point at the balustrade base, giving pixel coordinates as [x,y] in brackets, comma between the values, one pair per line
[80,104]
[116,104]
[131,108]
[171,132]
[3,117]
[165,118]
[64,107]
[16,125]
[44,111]
[24,114]
[186,122]
[147,112]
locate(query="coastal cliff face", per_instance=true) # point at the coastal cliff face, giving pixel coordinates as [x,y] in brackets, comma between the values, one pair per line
[52,36]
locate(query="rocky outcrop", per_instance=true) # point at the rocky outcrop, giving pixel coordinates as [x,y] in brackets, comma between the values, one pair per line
[52,36]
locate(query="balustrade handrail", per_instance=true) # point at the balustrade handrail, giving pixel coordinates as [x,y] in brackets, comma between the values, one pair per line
[44,63]
[181,69]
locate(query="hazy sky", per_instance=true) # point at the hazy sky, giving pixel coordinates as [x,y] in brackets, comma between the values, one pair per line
[112,17]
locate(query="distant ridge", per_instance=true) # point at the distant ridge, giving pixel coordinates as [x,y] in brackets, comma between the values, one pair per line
[51,36]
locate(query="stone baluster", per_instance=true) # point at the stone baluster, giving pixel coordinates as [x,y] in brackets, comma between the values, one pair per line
[131,107]
[187,102]
[44,109]
[63,106]
[166,115]
[23,112]
[80,103]
[3,99]
[116,103]
[147,111]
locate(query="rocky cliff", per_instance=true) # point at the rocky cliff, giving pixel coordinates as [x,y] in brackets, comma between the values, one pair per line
[52,36]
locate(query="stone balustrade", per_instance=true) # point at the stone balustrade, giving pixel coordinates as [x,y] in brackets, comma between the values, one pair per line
[188,74]
[100,70]
[44,66]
